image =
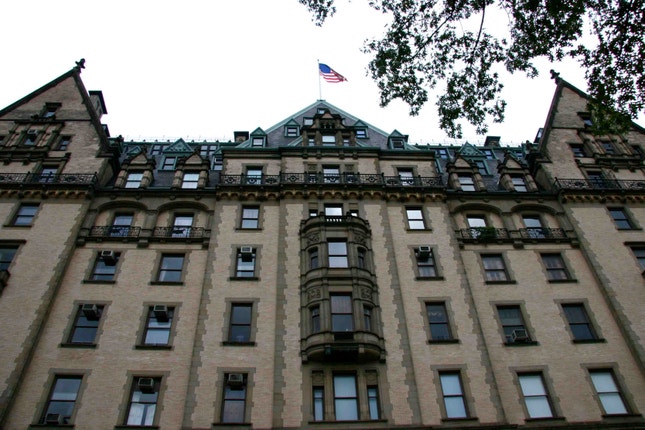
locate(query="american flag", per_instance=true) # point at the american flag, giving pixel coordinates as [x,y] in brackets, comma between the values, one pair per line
[329,74]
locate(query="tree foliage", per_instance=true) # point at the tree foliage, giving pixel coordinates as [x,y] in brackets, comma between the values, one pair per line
[451,42]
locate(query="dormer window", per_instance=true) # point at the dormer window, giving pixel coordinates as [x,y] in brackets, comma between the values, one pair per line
[156,149]
[586,119]
[308,121]
[257,142]
[519,184]
[49,111]
[321,111]
[329,140]
[397,143]
[361,133]
[291,131]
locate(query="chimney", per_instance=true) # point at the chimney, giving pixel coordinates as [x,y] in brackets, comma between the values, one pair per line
[492,141]
[241,136]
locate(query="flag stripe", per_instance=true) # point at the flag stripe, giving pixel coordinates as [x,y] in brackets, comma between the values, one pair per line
[329,74]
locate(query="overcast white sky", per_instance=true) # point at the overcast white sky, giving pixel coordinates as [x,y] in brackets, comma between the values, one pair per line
[201,69]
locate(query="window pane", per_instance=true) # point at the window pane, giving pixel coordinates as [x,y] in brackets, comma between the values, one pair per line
[604,382]
[455,407]
[346,410]
[157,337]
[538,407]
[450,385]
[337,248]
[66,389]
[612,403]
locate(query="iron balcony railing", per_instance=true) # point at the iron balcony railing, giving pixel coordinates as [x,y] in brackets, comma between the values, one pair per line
[599,184]
[323,179]
[539,233]
[68,179]
[484,234]
[492,234]
[178,232]
[114,231]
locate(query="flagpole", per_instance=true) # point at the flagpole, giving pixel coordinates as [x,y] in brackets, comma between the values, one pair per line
[319,85]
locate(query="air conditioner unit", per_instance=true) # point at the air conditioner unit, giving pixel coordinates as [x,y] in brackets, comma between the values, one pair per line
[246,252]
[109,257]
[424,252]
[91,311]
[161,312]
[235,379]
[54,419]
[520,335]
[146,385]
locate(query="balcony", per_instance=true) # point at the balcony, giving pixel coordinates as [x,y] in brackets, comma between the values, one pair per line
[347,347]
[354,179]
[36,180]
[517,237]
[114,232]
[322,221]
[546,234]
[599,184]
[484,234]
[178,232]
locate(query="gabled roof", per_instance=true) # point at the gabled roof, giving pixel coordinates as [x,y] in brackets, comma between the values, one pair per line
[470,150]
[179,147]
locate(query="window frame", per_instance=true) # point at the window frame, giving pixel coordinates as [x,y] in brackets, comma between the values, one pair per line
[552,270]
[190,180]
[152,324]
[246,267]
[81,321]
[133,179]
[460,395]
[621,218]
[240,332]
[146,404]
[466,182]
[617,391]
[245,219]
[169,162]
[162,272]
[343,314]
[5,250]
[444,325]
[507,329]
[591,334]
[640,259]
[67,420]
[339,396]
[545,395]
[227,389]
[20,214]
[119,227]
[63,142]
[413,222]
[342,258]
[100,272]
[519,183]
[491,274]
[179,227]
[429,264]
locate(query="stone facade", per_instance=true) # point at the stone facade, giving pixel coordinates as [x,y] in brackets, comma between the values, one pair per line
[318,274]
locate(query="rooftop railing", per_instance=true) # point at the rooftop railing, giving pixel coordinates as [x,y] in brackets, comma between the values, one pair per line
[326,179]
[68,179]
[599,184]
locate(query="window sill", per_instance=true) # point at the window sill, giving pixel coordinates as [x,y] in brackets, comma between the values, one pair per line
[618,416]
[529,420]
[418,229]
[135,427]
[243,278]
[153,347]
[449,420]
[562,281]
[629,229]
[51,426]
[509,282]
[92,281]
[167,283]
[440,341]
[383,421]
[520,344]
[600,340]
[229,343]
[430,278]
[19,226]
[231,425]
[78,345]
[248,229]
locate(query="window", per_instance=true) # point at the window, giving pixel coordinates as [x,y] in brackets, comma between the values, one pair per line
[361,254]
[121,225]
[578,150]
[373,402]
[621,219]
[239,330]
[182,225]
[245,262]
[345,398]
[578,320]
[50,111]
[253,175]
[291,131]
[314,261]
[342,319]
[536,398]
[86,324]
[328,140]
[494,268]
[315,319]
[513,324]
[308,121]
[361,133]
[453,395]
[555,268]
[481,167]
[6,256]
[63,143]
[319,403]
[170,269]
[156,149]
[105,266]
[425,262]
[438,321]
[30,138]
[519,184]
[169,163]
[25,215]
[337,253]
[476,221]
[190,180]
[609,394]
[331,174]
[534,227]
[442,153]
[257,142]
[406,176]
[62,399]
[234,399]
[134,180]
[250,217]
[47,175]
[466,183]
[596,179]
[608,147]
[218,162]
[488,153]
[639,253]
[143,401]
[158,325]
[397,143]
[333,210]
[415,219]
[207,150]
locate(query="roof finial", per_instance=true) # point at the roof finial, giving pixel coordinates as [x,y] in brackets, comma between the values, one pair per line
[555,76]
[80,64]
